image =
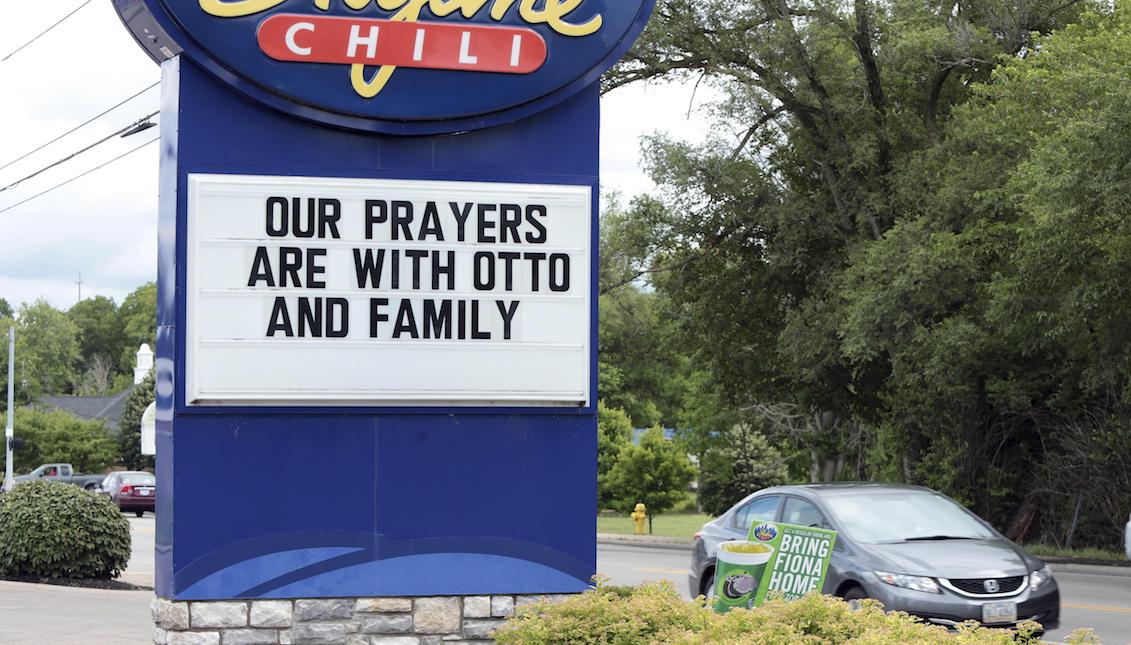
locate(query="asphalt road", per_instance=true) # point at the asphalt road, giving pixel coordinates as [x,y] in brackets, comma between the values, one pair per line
[1102,602]
[31,613]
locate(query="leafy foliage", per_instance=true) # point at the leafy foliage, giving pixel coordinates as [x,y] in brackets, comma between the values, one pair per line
[56,530]
[743,462]
[138,314]
[54,436]
[654,613]
[614,434]
[47,352]
[656,472]
[100,331]
[904,248]
[129,425]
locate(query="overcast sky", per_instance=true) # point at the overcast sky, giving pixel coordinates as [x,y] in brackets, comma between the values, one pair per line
[104,225]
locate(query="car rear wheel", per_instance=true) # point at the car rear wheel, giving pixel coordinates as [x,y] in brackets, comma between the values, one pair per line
[139,513]
[709,586]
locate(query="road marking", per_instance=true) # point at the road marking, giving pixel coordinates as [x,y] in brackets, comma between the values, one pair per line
[1107,608]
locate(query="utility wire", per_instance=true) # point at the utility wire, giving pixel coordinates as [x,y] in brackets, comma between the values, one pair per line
[84,123]
[44,32]
[141,121]
[60,185]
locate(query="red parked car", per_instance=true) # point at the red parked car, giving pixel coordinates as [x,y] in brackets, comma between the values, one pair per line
[131,491]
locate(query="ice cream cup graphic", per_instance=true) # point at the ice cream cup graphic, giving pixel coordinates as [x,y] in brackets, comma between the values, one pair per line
[738,571]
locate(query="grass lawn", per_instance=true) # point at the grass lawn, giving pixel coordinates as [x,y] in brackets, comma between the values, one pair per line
[679,526]
[1045,550]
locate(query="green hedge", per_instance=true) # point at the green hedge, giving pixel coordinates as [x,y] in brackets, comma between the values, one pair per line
[56,530]
[654,614]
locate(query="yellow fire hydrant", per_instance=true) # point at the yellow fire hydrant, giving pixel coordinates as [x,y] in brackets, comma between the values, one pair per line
[638,515]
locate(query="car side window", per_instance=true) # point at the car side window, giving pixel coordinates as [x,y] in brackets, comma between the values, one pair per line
[761,509]
[802,513]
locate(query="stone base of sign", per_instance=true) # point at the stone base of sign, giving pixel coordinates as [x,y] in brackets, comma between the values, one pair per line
[440,620]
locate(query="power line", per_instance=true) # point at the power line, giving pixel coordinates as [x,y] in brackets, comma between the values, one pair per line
[84,123]
[44,32]
[61,184]
[144,121]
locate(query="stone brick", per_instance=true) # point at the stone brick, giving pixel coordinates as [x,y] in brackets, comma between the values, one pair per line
[173,615]
[431,640]
[394,640]
[155,609]
[285,637]
[372,605]
[272,613]
[526,601]
[318,633]
[249,637]
[160,636]
[387,624]
[502,606]
[476,628]
[194,638]
[357,639]
[323,609]
[436,615]
[477,606]
[218,614]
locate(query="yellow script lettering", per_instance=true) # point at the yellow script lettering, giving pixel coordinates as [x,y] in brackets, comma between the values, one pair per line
[552,14]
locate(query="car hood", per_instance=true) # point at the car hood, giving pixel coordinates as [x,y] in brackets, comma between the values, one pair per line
[988,558]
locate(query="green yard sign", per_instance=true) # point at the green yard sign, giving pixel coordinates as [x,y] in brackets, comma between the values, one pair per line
[786,558]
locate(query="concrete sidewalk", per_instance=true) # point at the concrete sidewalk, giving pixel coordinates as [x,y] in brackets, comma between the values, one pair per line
[40,613]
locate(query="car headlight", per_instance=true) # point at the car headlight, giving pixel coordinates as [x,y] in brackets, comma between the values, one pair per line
[915,583]
[1039,578]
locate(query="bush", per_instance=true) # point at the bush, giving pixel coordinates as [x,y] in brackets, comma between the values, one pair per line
[56,530]
[654,613]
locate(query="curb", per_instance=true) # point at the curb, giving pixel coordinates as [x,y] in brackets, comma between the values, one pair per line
[647,541]
[1065,566]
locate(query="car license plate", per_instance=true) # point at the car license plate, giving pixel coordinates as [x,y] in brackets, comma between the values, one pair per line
[999,612]
[145,492]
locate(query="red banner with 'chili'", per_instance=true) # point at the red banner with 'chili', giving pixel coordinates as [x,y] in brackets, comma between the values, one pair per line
[429,45]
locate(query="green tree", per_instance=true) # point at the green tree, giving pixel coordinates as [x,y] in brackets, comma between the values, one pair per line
[655,472]
[5,309]
[47,352]
[129,425]
[100,331]
[52,436]
[742,463]
[835,253]
[138,314]
[641,370]
[614,434]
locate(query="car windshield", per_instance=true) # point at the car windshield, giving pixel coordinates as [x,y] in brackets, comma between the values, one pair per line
[877,517]
[144,480]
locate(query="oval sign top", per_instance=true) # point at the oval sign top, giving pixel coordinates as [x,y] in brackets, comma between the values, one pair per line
[398,66]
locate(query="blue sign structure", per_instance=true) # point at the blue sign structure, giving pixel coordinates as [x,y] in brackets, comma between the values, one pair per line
[376,355]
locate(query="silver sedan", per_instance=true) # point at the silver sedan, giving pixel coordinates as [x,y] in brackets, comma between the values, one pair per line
[911,548]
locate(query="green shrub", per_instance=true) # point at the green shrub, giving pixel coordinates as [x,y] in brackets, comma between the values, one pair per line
[56,530]
[654,613]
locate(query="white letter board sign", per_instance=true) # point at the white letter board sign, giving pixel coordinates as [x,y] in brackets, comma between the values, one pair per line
[326,291]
